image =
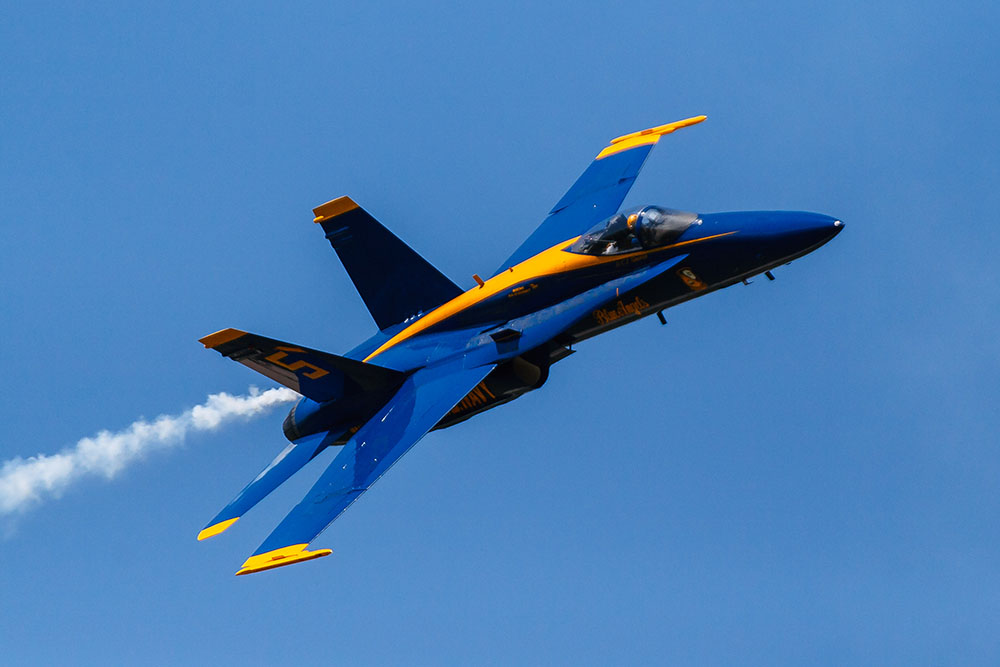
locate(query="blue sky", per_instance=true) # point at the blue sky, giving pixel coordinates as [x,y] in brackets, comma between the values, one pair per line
[797,471]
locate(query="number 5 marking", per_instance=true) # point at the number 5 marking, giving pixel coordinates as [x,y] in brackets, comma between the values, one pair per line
[277,357]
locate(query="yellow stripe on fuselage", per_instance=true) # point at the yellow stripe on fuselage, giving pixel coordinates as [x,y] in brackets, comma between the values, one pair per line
[546,263]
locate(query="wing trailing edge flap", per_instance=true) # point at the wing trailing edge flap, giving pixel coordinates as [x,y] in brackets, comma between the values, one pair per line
[289,461]
[394,281]
[425,397]
[317,375]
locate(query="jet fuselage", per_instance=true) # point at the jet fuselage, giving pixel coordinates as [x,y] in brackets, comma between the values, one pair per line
[717,250]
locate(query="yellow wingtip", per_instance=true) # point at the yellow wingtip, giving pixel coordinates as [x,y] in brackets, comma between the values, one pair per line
[215,529]
[648,136]
[281,557]
[219,337]
[333,208]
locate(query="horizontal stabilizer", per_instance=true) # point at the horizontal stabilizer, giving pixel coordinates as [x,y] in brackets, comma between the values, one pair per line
[286,464]
[394,281]
[317,375]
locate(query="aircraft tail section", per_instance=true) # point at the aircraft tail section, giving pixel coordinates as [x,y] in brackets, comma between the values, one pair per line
[394,281]
[317,375]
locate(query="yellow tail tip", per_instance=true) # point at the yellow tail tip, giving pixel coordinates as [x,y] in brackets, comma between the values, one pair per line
[333,208]
[220,337]
[215,529]
[281,557]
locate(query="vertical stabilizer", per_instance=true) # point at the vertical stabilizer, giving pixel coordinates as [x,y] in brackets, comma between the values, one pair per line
[393,280]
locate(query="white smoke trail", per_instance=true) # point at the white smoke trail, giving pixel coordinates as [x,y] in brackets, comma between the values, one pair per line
[24,482]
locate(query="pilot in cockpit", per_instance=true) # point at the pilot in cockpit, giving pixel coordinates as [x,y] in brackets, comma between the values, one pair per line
[619,235]
[647,228]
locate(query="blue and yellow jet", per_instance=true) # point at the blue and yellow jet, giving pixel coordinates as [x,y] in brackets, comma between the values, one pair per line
[443,354]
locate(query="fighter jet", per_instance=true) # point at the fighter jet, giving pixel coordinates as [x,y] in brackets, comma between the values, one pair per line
[443,354]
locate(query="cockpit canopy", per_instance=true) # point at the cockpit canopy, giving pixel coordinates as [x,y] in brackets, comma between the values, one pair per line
[638,229]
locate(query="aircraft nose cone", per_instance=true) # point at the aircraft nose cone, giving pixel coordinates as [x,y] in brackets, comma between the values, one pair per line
[802,227]
[817,222]
[774,235]
[799,232]
[823,227]
[765,238]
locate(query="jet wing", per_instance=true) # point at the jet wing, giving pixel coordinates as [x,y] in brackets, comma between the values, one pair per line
[424,398]
[598,193]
